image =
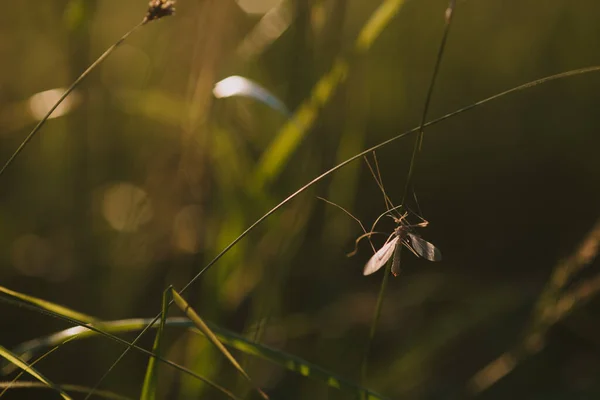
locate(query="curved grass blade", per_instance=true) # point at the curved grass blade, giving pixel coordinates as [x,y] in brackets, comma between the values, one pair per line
[85,330]
[13,358]
[47,305]
[562,75]
[105,394]
[18,376]
[228,338]
[236,85]
[151,379]
[201,325]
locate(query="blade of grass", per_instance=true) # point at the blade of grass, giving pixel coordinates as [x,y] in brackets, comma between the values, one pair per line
[20,374]
[416,147]
[82,329]
[374,321]
[150,381]
[553,304]
[67,387]
[47,305]
[201,325]
[562,75]
[289,137]
[230,339]
[13,358]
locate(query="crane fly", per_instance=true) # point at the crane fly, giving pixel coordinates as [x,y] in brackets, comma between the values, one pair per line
[403,235]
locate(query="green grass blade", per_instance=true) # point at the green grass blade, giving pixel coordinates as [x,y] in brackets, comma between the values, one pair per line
[296,128]
[105,394]
[203,327]
[18,376]
[82,330]
[293,363]
[151,379]
[13,358]
[228,338]
[47,305]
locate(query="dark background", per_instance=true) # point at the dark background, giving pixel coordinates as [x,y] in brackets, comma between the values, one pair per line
[148,177]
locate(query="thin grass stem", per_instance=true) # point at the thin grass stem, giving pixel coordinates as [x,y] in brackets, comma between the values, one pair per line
[416,149]
[67,93]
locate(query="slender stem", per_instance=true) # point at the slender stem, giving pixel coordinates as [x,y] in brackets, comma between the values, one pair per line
[374,322]
[65,94]
[416,148]
[438,62]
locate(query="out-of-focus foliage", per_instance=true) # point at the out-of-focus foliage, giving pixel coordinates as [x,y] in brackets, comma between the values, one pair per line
[143,176]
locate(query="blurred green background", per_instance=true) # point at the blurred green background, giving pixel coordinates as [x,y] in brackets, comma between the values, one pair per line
[145,176]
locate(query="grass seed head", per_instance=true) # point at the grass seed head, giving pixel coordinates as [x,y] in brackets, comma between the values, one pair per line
[159,8]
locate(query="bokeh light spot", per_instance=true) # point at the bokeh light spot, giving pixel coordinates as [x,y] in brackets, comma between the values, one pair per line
[126,207]
[31,255]
[40,103]
[186,232]
[257,6]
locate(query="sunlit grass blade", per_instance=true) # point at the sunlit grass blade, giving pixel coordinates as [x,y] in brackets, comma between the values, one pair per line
[105,394]
[151,379]
[83,329]
[289,137]
[228,338]
[240,86]
[293,363]
[32,371]
[47,305]
[203,327]
[18,376]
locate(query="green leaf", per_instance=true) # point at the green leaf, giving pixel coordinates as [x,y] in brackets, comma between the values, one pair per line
[201,325]
[228,338]
[47,305]
[83,330]
[151,379]
[296,128]
[32,371]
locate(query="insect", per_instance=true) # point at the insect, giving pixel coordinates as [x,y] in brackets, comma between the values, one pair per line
[402,236]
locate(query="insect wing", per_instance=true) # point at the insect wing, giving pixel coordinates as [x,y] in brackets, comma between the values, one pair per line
[424,248]
[381,257]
